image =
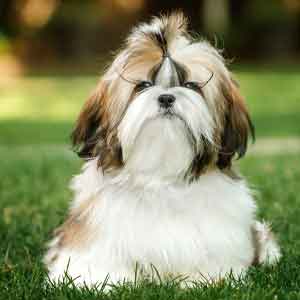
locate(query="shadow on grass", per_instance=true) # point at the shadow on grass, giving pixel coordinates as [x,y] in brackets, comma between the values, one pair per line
[277,125]
[21,132]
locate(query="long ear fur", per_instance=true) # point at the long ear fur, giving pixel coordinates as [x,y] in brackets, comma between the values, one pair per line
[90,135]
[88,125]
[237,127]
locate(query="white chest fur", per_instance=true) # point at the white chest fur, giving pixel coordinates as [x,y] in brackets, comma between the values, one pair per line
[199,229]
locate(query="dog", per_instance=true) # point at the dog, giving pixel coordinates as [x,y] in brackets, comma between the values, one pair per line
[159,135]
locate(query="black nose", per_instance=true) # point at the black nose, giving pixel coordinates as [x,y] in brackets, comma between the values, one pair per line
[166,100]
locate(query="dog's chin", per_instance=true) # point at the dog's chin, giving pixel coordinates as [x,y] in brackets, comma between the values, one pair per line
[162,147]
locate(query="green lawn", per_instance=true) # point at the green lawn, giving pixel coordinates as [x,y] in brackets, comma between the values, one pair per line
[36,116]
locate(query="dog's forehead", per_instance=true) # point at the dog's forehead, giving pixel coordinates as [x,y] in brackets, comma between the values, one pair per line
[168,73]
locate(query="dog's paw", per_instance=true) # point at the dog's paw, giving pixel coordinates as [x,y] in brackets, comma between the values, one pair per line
[268,250]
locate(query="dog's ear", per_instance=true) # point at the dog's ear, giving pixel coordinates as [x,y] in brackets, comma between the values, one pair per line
[237,125]
[90,123]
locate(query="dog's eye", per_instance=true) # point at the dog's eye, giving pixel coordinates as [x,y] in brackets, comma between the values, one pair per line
[195,86]
[142,85]
[192,85]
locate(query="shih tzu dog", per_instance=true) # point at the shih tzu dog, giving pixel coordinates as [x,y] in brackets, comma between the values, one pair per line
[159,135]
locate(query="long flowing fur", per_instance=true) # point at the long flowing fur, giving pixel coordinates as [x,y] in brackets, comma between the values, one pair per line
[159,135]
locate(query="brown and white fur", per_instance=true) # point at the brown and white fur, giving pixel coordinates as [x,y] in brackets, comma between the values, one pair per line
[158,187]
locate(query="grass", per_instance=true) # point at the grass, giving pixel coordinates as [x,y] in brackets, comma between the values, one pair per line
[35,120]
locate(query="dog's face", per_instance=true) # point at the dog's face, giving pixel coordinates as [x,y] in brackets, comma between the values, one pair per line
[166,102]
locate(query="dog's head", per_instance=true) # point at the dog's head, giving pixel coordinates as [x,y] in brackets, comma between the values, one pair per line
[166,102]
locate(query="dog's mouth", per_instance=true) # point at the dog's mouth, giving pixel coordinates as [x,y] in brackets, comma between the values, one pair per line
[168,113]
